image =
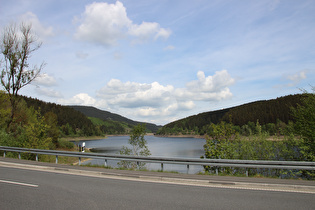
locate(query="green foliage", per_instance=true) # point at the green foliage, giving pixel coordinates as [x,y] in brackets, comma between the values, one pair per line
[219,142]
[138,146]
[224,143]
[28,130]
[65,144]
[111,117]
[36,133]
[304,114]
[110,126]
[71,122]
[53,132]
[32,130]
[5,108]
[16,46]
[137,141]
[275,113]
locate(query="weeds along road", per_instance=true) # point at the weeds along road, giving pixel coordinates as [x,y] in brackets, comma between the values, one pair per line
[40,188]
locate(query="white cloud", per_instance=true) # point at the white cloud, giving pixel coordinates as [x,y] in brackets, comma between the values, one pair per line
[147,30]
[144,30]
[163,33]
[296,78]
[148,112]
[105,24]
[41,31]
[79,99]
[207,88]
[132,94]
[45,80]
[155,101]
[291,80]
[43,84]
[115,87]
[48,92]
[186,105]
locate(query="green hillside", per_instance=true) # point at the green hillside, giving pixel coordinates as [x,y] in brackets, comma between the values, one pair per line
[85,120]
[265,111]
[89,121]
[108,116]
[111,127]
[70,121]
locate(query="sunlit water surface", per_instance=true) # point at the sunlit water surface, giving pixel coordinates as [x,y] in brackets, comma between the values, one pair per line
[158,146]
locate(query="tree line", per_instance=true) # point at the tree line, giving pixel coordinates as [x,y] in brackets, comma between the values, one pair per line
[274,116]
[223,141]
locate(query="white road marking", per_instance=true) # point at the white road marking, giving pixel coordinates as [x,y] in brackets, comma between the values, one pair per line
[18,183]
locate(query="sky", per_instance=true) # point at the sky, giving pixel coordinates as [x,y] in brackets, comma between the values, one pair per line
[158,61]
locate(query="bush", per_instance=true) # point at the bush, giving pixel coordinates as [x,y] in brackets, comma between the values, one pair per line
[63,144]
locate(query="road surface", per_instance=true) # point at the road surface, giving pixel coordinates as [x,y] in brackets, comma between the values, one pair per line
[45,189]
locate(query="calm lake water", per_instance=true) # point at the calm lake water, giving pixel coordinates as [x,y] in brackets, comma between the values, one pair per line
[159,147]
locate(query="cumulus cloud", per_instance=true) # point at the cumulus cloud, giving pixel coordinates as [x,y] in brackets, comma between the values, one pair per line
[105,24]
[44,83]
[48,92]
[296,78]
[148,30]
[132,94]
[207,88]
[156,101]
[41,31]
[79,99]
[45,80]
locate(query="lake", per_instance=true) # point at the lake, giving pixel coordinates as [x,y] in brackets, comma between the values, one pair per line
[159,147]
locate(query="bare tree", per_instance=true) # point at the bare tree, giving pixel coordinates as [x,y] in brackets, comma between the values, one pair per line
[17,45]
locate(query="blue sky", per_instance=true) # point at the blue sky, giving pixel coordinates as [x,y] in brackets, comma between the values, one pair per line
[158,61]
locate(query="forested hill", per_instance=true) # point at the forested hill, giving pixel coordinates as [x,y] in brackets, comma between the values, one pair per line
[75,120]
[70,121]
[265,111]
[90,111]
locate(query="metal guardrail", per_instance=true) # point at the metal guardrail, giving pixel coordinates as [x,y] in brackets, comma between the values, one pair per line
[290,165]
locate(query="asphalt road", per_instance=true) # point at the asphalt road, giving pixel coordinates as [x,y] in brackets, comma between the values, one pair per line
[33,189]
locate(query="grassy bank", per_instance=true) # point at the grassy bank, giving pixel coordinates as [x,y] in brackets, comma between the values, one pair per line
[82,138]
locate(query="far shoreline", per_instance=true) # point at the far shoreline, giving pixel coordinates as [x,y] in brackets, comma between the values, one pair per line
[91,138]
[182,136]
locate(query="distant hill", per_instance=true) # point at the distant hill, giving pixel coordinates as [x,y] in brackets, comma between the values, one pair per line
[81,119]
[90,111]
[70,121]
[265,111]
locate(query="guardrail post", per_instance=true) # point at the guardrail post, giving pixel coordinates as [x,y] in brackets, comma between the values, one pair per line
[138,164]
[162,168]
[105,164]
[4,154]
[19,155]
[216,171]
[187,169]
[56,159]
[79,161]
[36,157]
[246,172]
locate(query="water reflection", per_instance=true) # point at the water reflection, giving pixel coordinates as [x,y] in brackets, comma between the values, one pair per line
[159,147]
